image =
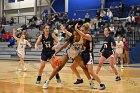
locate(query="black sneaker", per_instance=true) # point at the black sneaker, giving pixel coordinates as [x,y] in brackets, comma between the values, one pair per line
[58,80]
[37,82]
[93,79]
[118,78]
[102,86]
[79,81]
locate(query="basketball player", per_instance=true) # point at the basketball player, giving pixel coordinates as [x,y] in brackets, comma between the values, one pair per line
[72,49]
[107,53]
[74,64]
[88,45]
[119,50]
[21,49]
[88,52]
[48,50]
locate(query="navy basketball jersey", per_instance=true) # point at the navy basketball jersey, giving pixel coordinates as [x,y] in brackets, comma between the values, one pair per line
[47,43]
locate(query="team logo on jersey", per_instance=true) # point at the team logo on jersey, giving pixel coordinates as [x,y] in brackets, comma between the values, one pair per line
[77,46]
[105,44]
[47,44]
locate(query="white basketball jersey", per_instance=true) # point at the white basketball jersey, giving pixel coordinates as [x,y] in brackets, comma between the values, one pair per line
[75,48]
[119,46]
[21,46]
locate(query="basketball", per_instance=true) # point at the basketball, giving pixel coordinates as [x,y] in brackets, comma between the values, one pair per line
[56,61]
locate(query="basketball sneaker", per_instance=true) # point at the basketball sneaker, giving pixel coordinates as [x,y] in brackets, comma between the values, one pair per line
[58,80]
[37,82]
[18,69]
[93,79]
[118,78]
[92,85]
[45,86]
[122,67]
[102,86]
[78,81]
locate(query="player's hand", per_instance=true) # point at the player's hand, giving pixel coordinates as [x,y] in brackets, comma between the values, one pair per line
[54,47]
[53,55]
[76,26]
[99,53]
[36,47]
[14,30]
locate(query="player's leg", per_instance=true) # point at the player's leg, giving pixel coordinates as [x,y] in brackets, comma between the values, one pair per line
[83,66]
[121,60]
[40,71]
[101,61]
[74,69]
[112,61]
[95,76]
[55,71]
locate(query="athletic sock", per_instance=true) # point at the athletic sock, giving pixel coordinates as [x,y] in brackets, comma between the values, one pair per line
[39,78]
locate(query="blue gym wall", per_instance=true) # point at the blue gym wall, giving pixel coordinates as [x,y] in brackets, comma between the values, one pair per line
[82,5]
[135,54]
[59,5]
[74,5]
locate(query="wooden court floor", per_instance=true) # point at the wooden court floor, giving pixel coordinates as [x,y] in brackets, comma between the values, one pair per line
[12,81]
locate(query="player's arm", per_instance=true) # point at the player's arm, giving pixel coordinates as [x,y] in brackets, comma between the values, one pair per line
[56,41]
[101,50]
[113,42]
[85,36]
[64,29]
[38,42]
[14,34]
[62,47]
[29,44]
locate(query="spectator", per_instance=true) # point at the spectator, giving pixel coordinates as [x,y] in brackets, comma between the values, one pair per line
[109,14]
[11,21]
[102,13]
[65,17]
[92,26]
[112,29]
[56,31]
[38,23]
[11,41]
[87,18]
[3,20]
[129,31]
[98,14]
[34,18]
[120,31]
[80,21]
[132,12]
[3,30]
[137,13]
[101,24]
[126,51]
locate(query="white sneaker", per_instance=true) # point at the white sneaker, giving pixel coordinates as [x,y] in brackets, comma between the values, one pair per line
[45,86]
[92,85]
[122,67]
[18,69]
